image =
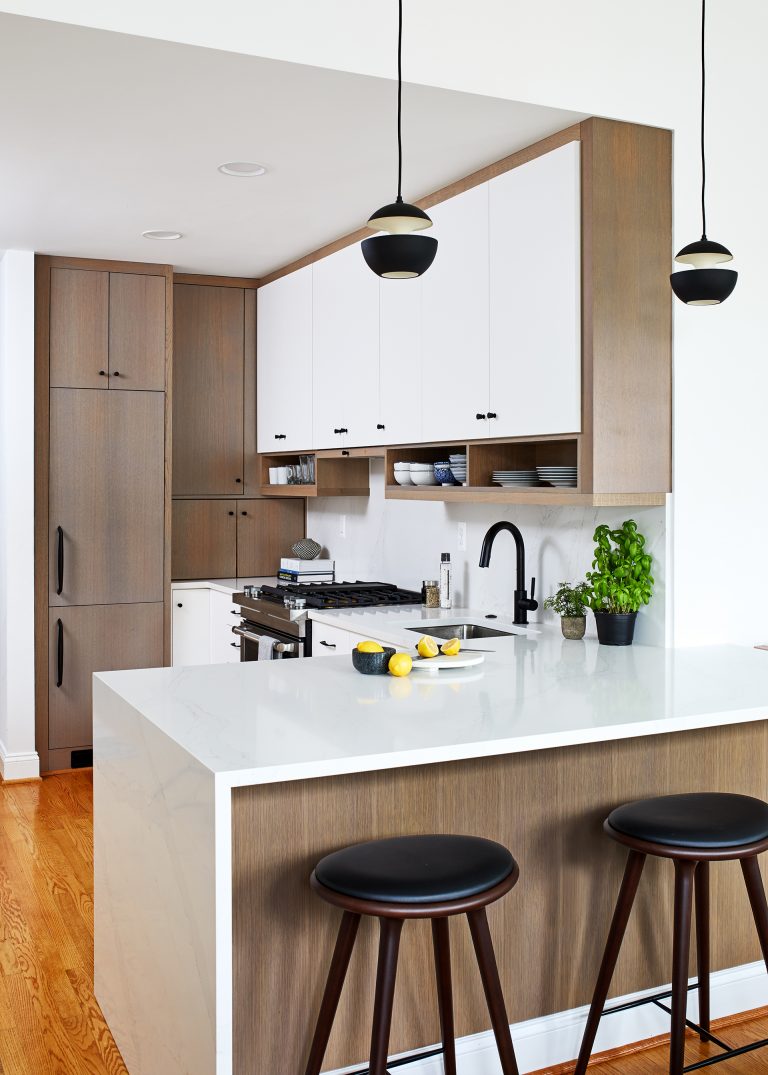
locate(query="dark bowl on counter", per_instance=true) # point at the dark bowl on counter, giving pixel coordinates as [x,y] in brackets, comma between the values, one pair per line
[372,664]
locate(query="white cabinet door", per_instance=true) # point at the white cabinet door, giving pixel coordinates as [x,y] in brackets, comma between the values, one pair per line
[455,321]
[284,363]
[225,647]
[399,362]
[191,626]
[345,331]
[535,296]
[327,641]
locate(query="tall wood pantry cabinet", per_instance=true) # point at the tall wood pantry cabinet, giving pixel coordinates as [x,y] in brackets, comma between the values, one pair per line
[222,527]
[102,505]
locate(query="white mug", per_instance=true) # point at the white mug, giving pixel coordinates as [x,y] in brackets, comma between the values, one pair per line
[282,475]
[273,479]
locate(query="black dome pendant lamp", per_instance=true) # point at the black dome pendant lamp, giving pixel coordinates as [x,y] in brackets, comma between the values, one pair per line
[401,254]
[703,285]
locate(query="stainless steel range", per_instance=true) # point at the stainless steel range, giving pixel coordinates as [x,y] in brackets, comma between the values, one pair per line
[275,620]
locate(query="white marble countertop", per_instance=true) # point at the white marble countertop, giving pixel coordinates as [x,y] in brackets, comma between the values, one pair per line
[254,723]
[228,586]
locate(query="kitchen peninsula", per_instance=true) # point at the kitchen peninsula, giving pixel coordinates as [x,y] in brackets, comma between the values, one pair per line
[217,788]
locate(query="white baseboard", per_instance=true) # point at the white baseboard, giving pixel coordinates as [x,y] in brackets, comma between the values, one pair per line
[18,766]
[554,1039]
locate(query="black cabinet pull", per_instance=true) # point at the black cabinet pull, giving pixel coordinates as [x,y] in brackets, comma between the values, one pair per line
[480,416]
[337,431]
[238,480]
[235,645]
[243,512]
[179,604]
[116,373]
[279,436]
[344,451]
[380,425]
[102,373]
[492,414]
[328,645]
[343,430]
[59,653]
[230,513]
[59,559]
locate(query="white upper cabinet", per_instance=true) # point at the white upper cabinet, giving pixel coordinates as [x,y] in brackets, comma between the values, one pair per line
[535,297]
[455,321]
[284,363]
[345,303]
[399,362]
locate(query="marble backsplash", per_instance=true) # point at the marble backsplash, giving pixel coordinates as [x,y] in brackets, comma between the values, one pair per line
[401,541]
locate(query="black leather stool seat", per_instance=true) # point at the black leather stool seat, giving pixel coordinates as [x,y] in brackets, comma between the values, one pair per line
[701,819]
[416,869]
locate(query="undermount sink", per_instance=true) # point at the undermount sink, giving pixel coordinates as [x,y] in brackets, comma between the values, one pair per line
[461,630]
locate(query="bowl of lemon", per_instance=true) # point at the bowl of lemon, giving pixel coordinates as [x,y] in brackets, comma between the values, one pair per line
[372,659]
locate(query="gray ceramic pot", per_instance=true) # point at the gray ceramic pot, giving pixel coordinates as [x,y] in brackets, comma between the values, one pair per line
[573,626]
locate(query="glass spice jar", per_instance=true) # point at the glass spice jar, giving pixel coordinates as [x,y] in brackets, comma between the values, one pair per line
[430,593]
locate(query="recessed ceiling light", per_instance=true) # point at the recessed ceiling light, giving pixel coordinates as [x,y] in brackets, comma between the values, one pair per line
[243,169]
[161,234]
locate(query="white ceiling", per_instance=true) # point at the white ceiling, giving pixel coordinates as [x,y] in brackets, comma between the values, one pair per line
[105,135]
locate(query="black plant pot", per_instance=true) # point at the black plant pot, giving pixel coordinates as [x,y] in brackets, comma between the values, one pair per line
[615,628]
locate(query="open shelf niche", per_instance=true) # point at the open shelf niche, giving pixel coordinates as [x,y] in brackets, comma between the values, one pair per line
[334,475]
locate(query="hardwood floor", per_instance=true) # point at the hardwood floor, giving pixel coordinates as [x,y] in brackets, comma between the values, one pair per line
[50,1023]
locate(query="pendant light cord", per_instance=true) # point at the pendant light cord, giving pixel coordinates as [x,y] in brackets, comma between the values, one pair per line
[400,102]
[703,159]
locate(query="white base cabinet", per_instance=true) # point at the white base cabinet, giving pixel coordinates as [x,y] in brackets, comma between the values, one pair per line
[202,624]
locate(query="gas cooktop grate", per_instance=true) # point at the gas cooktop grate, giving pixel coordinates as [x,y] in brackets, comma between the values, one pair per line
[342,594]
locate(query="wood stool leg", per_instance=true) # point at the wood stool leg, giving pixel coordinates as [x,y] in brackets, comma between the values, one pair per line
[681,950]
[754,882]
[442,946]
[701,893]
[489,972]
[386,972]
[627,893]
[345,942]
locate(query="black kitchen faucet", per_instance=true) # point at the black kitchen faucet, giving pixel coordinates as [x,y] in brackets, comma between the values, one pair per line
[523,603]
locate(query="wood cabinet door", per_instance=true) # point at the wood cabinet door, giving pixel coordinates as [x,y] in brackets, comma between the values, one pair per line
[284,363]
[400,388]
[208,330]
[455,321]
[79,329]
[136,332]
[266,530]
[345,333]
[535,296]
[107,494]
[88,639]
[204,539]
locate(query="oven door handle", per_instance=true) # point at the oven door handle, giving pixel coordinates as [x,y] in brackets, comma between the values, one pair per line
[280,647]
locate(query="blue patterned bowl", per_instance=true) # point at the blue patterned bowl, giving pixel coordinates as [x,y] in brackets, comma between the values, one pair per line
[443,473]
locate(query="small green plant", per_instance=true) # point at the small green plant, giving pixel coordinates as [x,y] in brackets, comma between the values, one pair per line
[621,580]
[569,600]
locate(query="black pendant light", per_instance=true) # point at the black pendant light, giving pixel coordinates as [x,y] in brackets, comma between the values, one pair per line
[703,285]
[400,255]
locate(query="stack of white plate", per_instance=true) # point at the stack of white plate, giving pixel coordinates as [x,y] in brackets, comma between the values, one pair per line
[511,479]
[459,467]
[560,477]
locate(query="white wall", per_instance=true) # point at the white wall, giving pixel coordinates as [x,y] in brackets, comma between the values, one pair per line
[18,759]
[400,541]
[623,61]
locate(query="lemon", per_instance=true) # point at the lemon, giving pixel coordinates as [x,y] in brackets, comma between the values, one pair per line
[451,648]
[369,647]
[427,647]
[400,664]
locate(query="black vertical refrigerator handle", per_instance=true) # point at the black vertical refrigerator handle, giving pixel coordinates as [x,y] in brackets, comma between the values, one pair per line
[59,559]
[59,653]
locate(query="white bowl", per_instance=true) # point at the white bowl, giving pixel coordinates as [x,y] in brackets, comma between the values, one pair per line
[424,478]
[422,468]
[402,466]
[402,477]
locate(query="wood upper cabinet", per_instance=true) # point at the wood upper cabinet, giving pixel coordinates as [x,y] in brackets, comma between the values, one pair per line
[94,638]
[266,530]
[106,497]
[137,331]
[208,389]
[535,296]
[345,328]
[204,539]
[284,367]
[454,370]
[79,329]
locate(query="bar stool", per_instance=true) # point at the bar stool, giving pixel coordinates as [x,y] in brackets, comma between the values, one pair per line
[692,830]
[432,877]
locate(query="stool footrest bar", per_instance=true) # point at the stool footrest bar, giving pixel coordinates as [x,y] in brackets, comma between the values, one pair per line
[403,1060]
